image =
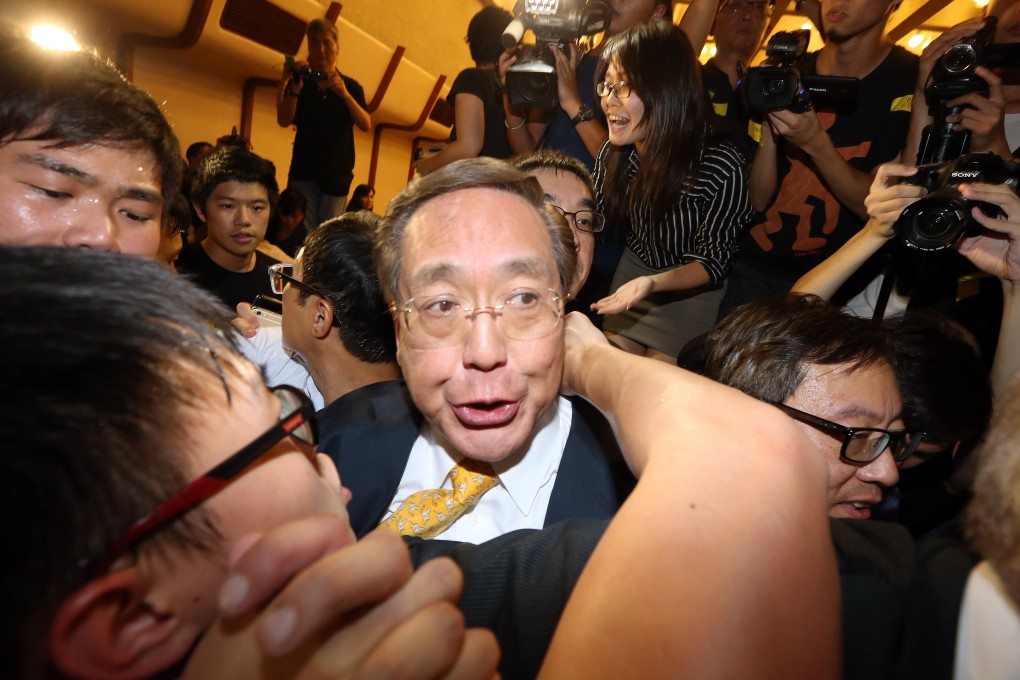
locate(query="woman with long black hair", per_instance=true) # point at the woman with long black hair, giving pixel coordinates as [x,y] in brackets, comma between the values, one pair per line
[677,197]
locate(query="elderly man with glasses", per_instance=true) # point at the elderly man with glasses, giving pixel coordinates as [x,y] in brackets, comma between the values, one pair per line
[477,270]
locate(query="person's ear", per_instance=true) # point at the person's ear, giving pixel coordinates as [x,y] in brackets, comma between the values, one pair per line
[322,319]
[198,211]
[396,334]
[660,11]
[108,630]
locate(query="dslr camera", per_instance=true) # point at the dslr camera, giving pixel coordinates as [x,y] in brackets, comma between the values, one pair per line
[531,82]
[943,217]
[778,84]
[304,73]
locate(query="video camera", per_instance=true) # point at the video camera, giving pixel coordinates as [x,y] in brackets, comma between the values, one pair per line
[943,217]
[777,83]
[531,82]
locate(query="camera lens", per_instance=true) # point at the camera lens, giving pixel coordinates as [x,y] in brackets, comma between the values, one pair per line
[535,87]
[933,223]
[774,86]
[959,59]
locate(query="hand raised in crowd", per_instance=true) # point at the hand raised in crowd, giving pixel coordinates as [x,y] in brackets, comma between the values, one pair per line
[296,84]
[996,251]
[336,83]
[579,336]
[246,322]
[507,59]
[801,129]
[984,116]
[888,197]
[566,78]
[625,297]
[306,597]
[934,51]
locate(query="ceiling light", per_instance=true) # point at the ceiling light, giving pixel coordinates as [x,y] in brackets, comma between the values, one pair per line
[53,38]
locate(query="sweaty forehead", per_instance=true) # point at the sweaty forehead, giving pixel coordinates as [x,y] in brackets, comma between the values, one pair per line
[479,233]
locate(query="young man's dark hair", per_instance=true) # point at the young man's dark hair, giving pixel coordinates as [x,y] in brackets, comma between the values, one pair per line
[78,99]
[557,161]
[337,260]
[291,202]
[82,460]
[233,164]
[764,347]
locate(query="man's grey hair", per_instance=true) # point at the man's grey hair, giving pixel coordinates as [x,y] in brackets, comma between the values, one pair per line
[471,173]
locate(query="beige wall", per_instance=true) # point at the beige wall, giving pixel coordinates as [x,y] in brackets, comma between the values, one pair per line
[201,88]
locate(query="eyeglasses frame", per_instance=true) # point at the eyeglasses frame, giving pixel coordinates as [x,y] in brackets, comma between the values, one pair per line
[846,433]
[573,218]
[216,479]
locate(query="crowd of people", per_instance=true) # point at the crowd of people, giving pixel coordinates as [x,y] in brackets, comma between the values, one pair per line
[661,395]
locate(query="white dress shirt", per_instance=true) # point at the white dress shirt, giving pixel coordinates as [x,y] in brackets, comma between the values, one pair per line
[526,479]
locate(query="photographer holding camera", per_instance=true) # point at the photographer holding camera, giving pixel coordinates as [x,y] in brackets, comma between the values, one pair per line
[813,169]
[324,105]
[990,112]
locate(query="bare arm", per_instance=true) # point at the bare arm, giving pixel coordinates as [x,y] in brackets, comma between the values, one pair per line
[998,253]
[287,98]
[885,203]
[592,132]
[360,116]
[469,116]
[849,185]
[697,20]
[762,180]
[524,127]
[661,586]
[684,277]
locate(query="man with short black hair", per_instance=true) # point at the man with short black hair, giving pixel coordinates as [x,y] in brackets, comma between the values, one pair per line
[86,158]
[233,193]
[336,321]
[831,372]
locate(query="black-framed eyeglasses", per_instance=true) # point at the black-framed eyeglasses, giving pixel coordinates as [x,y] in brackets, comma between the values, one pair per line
[861,445]
[281,273]
[297,419]
[588,221]
[605,88]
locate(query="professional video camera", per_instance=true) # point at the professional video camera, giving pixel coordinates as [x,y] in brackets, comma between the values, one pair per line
[531,82]
[943,217]
[777,83]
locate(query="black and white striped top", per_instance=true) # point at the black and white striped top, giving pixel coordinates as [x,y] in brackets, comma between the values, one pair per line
[706,221]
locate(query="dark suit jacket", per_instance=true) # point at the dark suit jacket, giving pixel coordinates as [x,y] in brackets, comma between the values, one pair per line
[518,584]
[371,458]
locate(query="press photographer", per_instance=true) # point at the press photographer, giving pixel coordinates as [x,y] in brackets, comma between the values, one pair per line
[531,81]
[983,112]
[324,105]
[813,169]
[577,125]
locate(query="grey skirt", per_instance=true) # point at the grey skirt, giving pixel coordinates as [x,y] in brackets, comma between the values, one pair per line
[663,321]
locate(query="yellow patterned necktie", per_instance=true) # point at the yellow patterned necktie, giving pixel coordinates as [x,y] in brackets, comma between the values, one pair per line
[426,514]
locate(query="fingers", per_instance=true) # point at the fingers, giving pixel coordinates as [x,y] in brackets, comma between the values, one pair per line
[404,615]
[246,321]
[997,194]
[337,585]
[889,196]
[260,567]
